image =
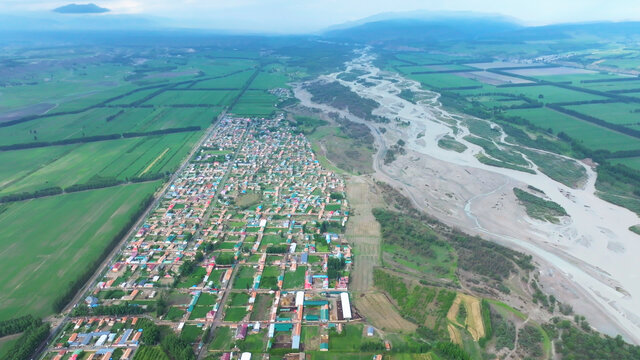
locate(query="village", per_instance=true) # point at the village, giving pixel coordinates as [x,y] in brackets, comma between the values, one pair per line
[245,253]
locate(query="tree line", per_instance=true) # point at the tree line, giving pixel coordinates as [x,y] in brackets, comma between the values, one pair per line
[93,184]
[33,335]
[114,310]
[16,325]
[86,139]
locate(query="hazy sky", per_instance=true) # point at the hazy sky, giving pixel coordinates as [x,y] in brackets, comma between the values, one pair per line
[309,15]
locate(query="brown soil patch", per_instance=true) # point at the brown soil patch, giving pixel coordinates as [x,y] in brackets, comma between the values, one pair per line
[379,311]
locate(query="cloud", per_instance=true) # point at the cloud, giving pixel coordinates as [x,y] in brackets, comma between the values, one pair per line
[308,15]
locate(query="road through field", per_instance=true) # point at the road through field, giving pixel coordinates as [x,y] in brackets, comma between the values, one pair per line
[363,231]
[589,260]
[58,323]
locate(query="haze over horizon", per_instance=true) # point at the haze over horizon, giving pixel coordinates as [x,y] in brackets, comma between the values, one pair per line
[282,16]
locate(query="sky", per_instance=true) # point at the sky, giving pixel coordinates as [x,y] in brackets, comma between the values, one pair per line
[299,16]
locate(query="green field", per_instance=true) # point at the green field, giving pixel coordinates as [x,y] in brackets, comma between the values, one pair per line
[194,97]
[294,279]
[591,135]
[221,338]
[78,164]
[611,86]
[255,103]
[542,93]
[615,113]
[446,80]
[235,313]
[18,164]
[244,278]
[50,241]
[157,118]
[235,81]
[632,162]
[270,77]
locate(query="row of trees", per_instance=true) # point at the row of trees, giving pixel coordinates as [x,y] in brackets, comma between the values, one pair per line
[29,341]
[86,139]
[115,310]
[16,325]
[619,128]
[56,190]
[97,183]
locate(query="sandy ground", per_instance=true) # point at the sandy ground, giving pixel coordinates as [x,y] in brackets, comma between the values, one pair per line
[588,260]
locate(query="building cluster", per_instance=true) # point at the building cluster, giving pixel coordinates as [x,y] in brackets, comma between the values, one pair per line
[247,239]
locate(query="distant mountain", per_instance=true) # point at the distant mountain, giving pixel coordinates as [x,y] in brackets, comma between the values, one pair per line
[49,21]
[422,27]
[603,30]
[81,9]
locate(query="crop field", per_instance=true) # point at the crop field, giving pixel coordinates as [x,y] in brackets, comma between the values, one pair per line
[632,162]
[473,318]
[235,81]
[149,119]
[133,97]
[255,103]
[591,135]
[43,236]
[543,93]
[500,64]
[493,78]
[426,58]
[88,123]
[611,86]
[615,113]
[558,71]
[270,77]
[380,312]
[18,164]
[96,122]
[65,93]
[432,68]
[194,97]
[445,81]
[119,159]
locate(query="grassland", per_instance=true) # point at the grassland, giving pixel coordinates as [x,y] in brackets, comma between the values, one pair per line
[563,170]
[449,143]
[539,208]
[44,236]
[294,279]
